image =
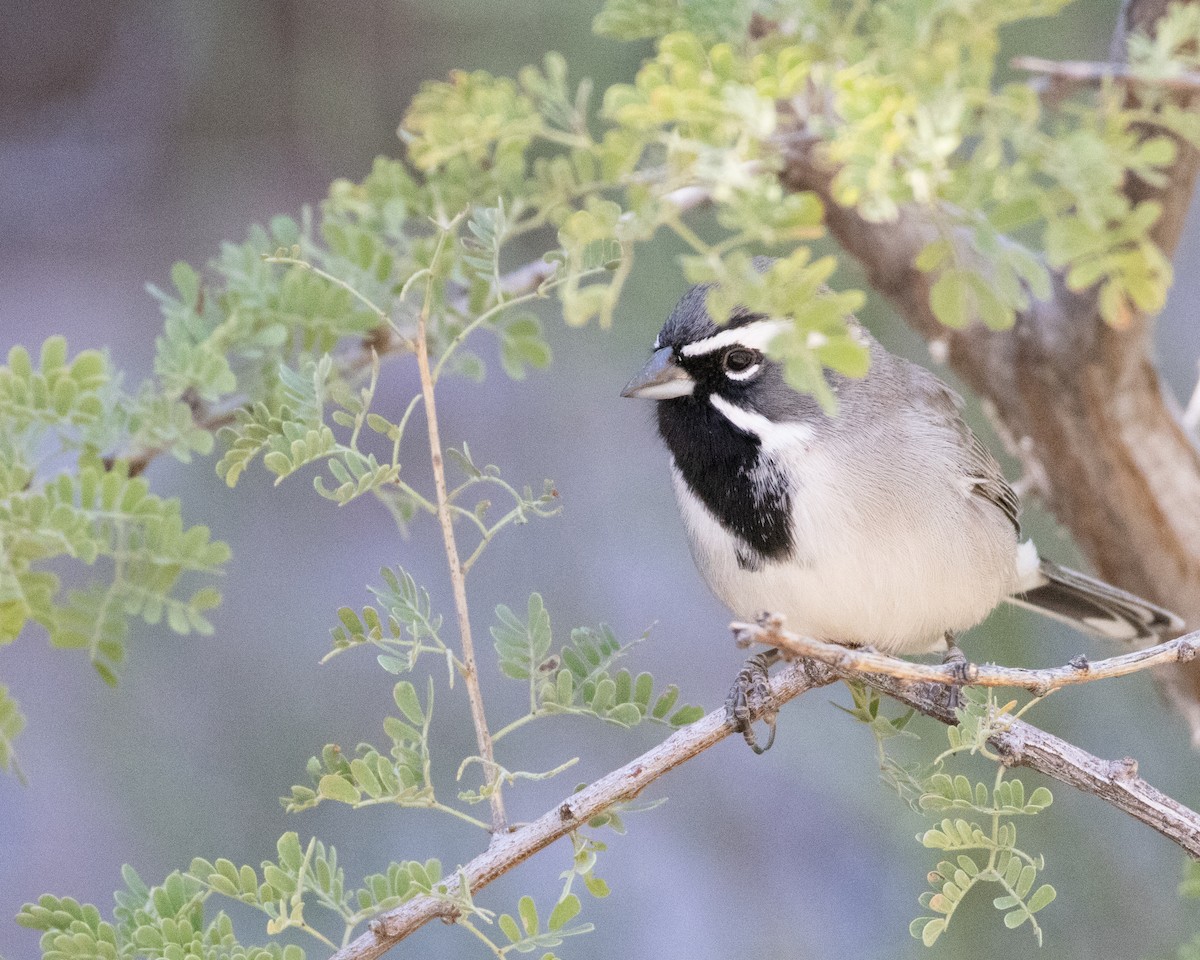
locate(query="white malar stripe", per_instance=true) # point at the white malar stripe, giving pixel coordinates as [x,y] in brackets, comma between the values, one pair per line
[755,336]
[773,436]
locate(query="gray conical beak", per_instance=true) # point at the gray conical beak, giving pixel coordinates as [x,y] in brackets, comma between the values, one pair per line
[660,379]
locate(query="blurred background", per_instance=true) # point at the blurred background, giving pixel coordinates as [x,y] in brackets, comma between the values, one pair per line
[138,132]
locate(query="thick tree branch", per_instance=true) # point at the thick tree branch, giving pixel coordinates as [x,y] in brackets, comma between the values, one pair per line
[1113,781]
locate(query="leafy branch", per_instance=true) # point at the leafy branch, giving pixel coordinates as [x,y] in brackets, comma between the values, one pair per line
[467,668]
[932,790]
[578,680]
[1017,743]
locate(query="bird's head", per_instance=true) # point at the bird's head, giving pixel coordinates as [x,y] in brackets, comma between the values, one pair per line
[696,358]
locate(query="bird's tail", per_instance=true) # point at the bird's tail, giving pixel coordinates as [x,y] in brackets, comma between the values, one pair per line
[1094,606]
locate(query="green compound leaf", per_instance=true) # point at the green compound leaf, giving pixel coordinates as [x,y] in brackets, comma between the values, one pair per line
[55,392]
[398,775]
[403,624]
[522,645]
[528,935]
[522,346]
[103,514]
[167,921]
[586,684]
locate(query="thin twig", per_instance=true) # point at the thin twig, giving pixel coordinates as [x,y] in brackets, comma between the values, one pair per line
[1088,73]
[769,631]
[469,671]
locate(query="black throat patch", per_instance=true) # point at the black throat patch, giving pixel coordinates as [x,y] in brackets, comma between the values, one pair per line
[726,468]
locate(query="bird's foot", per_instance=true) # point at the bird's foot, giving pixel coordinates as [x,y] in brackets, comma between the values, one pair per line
[750,699]
[950,694]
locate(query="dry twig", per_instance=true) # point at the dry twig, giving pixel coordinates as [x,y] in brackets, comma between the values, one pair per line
[845,660]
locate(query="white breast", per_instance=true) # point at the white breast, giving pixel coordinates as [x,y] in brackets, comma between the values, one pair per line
[892,558]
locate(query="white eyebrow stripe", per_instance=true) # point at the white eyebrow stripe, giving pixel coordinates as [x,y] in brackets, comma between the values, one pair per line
[755,336]
[771,435]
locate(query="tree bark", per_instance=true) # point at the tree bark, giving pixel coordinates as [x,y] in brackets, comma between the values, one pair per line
[1099,436]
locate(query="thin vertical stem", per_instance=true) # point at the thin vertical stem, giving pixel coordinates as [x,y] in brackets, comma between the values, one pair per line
[468,669]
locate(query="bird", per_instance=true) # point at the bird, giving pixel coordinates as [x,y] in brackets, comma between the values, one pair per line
[886,523]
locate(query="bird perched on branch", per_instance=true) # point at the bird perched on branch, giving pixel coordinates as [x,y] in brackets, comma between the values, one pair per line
[887,524]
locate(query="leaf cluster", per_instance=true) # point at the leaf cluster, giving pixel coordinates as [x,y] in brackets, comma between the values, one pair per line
[172,920]
[163,921]
[399,776]
[55,418]
[310,876]
[579,678]
[64,495]
[404,625]
[976,830]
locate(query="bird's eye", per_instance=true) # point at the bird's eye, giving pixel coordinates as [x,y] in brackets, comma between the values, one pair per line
[739,359]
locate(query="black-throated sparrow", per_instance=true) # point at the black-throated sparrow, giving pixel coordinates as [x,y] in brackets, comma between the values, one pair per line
[888,524]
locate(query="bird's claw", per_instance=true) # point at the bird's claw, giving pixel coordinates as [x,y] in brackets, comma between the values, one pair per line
[750,699]
[950,694]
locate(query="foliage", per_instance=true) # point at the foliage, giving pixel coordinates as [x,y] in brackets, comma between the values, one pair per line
[59,499]
[277,349]
[163,921]
[578,678]
[11,725]
[975,828]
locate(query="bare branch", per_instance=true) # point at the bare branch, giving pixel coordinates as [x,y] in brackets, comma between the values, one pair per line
[1090,73]
[769,631]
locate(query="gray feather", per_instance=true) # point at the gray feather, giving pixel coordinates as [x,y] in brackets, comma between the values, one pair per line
[1096,607]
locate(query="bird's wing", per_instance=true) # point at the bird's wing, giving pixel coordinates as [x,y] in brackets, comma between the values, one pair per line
[983,473]
[988,480]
